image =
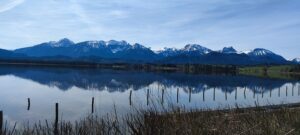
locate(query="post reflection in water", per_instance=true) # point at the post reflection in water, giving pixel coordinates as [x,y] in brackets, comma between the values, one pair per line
[74,89]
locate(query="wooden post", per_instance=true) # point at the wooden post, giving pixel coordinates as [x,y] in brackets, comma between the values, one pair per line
[1,121]
[214,94]
[245,93]
[262,94]
[56,119]
[279,92]
[148,94]
[28,106]
[286,91]
[293,90]
[203,96]
[93,101]
[190,95]
[177,95]
[225,94]
[235,93]
[254,94]
[130,94]
[162,96]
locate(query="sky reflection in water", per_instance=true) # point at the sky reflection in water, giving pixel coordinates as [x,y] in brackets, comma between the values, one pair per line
[73,89]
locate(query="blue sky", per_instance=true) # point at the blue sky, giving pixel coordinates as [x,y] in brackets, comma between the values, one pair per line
[243,24]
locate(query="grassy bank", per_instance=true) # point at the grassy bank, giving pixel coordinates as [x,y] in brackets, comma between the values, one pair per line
[280,72]
[177,121]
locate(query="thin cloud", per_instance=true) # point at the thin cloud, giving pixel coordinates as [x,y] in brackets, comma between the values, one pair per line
[270,24]
[10,5]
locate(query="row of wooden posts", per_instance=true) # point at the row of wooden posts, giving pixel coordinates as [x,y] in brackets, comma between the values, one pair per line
[56,116]
[214,94]
[148,95]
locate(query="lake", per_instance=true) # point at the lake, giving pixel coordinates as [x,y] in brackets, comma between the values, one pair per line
[74,88]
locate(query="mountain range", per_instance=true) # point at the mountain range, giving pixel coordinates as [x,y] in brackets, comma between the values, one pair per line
[122,51]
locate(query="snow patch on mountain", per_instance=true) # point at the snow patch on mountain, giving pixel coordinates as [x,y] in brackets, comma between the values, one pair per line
[96,44]
[260,52]
[124,50]
[61,43]
[196,48]
[166,52]
[117,46]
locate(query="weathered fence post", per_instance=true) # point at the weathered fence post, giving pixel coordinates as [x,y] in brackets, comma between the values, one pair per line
[225,94]
[56,119]
[148,94]
[214,94]
[286,91]
[162,96]
[130,94]
[177,95]
[203,96]
[190,91]
[293,90]
[28,106]
[93,101]
[1,121]
[245,93]
[235,94]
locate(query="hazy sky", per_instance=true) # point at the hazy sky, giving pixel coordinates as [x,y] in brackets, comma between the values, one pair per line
[243,24]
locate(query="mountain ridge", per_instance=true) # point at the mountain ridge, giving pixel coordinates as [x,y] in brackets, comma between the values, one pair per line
[126,52]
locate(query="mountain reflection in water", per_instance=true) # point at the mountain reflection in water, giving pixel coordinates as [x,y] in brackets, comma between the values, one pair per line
[117,80]
[73,89]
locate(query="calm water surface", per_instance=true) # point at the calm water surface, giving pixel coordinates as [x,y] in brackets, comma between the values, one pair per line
[73,89]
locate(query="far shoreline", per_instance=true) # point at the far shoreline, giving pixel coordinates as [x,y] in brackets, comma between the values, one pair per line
[271,71]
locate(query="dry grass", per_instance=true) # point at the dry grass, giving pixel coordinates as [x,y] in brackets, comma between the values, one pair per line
[176,120]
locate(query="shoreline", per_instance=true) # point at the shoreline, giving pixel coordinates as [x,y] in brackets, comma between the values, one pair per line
[174,120]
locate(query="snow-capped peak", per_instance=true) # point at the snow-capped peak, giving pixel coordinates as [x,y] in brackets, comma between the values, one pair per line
[168,51]
[260,52]
[117,43]
[246,52]
[117,46]
[96,44]
[196,47]
[229,49]
[61,43]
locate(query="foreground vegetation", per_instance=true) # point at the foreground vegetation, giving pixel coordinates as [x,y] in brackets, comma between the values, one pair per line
[176,120]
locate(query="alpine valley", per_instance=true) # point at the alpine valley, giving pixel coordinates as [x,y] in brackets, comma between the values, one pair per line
[122,52]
